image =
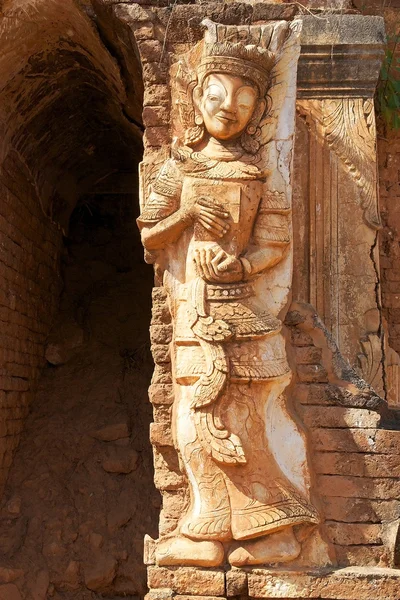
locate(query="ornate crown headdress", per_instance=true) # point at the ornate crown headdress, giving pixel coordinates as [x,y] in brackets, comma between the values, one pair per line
[221,55]
[251,62]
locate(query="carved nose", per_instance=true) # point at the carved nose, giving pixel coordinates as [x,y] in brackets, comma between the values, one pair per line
[227,105]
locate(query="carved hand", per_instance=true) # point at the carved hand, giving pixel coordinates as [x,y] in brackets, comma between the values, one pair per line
[217,266]
[168,230]
[211,217]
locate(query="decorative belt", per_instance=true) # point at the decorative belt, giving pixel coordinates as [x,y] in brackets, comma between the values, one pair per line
[228,291]
[222,292]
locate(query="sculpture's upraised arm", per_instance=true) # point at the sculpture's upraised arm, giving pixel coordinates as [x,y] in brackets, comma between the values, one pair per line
[156,235]
[162,220]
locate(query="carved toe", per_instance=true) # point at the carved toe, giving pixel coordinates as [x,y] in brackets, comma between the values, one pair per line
[183,551]
[274,548]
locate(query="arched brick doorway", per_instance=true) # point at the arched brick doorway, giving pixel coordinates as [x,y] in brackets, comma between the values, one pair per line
[76,462]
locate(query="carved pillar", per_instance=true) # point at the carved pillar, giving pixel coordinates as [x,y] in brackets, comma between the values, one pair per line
[335,190]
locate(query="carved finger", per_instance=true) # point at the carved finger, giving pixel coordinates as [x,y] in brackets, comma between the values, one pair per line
[207,225]
[197,260]
[225,264]
[204,201]
[212,221]
[215,211]
[212,208]
[210,227]
[209,257]
[204,263]
[216,227]
[221,255]
[205,212]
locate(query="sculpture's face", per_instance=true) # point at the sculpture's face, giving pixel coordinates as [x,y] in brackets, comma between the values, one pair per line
[227,105]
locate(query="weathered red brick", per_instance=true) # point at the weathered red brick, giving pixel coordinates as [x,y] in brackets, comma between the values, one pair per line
[357,464]
[354,534]
[339,417]
[359,487]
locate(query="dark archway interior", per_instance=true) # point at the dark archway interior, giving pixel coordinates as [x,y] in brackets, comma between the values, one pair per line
[83,472]
[80,493]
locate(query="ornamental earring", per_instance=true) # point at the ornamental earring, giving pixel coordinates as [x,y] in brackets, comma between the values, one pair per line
[251,129]
[198,120]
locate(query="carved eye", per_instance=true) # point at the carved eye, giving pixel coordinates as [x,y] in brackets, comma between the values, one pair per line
[246,97]
[215,94]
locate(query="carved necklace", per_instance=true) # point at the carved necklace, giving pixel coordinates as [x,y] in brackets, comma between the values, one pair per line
[226,152]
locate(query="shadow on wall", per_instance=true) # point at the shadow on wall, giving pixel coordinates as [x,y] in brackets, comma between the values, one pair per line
[63,127]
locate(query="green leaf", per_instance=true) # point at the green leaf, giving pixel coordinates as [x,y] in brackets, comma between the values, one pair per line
[394,102]
[396,120]
[384,73]
[388,90]
[387,114]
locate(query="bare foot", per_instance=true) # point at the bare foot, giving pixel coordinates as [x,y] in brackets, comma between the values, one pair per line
[182,551]
[278,547]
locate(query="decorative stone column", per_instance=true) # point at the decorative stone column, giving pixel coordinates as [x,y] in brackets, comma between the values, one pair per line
[336,201]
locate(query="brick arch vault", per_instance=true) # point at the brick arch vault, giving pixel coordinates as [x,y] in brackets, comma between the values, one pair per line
[76,480]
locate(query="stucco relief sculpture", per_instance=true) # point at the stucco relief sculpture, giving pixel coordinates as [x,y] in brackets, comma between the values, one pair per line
[217,222]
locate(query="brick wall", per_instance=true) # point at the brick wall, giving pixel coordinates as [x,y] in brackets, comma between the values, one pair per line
[29,290]
[389,189]
[354,459]
[168,478]
[388,146]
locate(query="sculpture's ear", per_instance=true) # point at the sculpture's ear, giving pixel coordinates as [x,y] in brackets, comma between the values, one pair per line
[260,109]
[256,117]
[197,97]
[249,141]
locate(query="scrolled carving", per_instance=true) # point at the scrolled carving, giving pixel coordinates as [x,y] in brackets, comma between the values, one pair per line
[348,126]
[218,218]
[350,132]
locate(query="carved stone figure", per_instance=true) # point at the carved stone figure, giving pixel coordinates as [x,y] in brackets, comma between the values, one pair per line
[218,224]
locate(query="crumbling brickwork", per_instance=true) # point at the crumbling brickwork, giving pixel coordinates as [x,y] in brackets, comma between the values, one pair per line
[169,478]
[354,457]
[29,291]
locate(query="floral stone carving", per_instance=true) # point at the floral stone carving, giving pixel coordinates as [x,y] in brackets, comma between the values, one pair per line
[217,223]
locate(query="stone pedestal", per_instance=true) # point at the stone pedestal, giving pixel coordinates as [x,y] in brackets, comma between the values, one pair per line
[347,584]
